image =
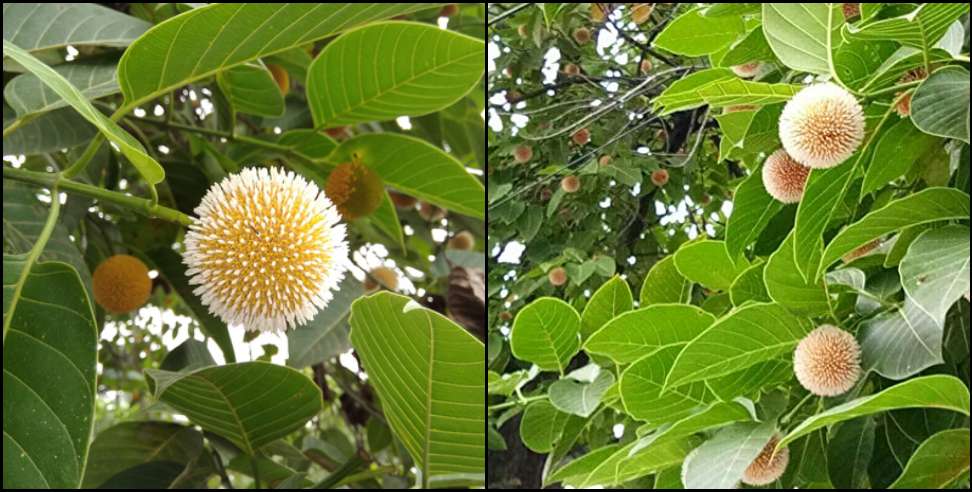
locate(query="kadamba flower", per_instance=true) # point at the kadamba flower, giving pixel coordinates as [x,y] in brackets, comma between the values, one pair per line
[767,467]
[645,66]
[381,276]
[570,184]
[822,126]
[784,178]
[430,213]
[522,154]
[266,251]
[582,35]
[659,177]
[827,361]
[557,276]
[746,70]
[121,284]
[851,10]
[463,241]
[571,69]
[581,137]
[354,189]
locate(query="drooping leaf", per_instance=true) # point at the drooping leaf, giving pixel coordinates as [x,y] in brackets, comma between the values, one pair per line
[547,333]
[803,34]
[710,264]
[897,150]
[935,271]
[128,444]
[251,404]
[251,89]
[327,334]
[59,129]
[751,48]
[752,210]
[749,286]
[823,192]
[920,28]
[29,95]
[383,71]
[580,398]
[751,380]
[49,358]
[642,384]
[631,335]
[664,284]
[849,453]
[681,94]
[541,426]
[940,105]
[36,27]
[901,342]
[938,462]
[189,355]
[610,300]
[428,372]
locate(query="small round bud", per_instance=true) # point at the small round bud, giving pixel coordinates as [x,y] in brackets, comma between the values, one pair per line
[522,154]
[827,361]
[523,31]
[597,12]
[571,70]
[557,276]
[581,137]
[851,10]
[462,241]
[659,177]
[505,316]
[430,213]
[121,284]
[645,66]
[605,160]
[570,184]
[582,35]
[354,189]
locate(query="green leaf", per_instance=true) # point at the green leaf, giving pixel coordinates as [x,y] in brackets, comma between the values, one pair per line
[857,62]
[895,153]
[940,105]
[170,55]
[752,210]
[29,95]
[901,342]
[49,357]
[803,34]
[580,398]
[631,335]
[752,379]
[751,48]
[171,267]
[929,205]
[49,132]
[849,453]
[749,286]
[808,463]
[547,333]
[583,466]
[714,416]
[935,271]
[385,218]
[939,391]
[746,336]
[541,426]
[824,191]
[327,334]
[610,300]
[128,444]
[664,284]
[428,372]
[710,264]
[251,404]
[787,287]
[642,387]
[417,168]
[692,34]
[131,148]
[730,92]
[681,94]
[898,64]
[189,355]
[920,28]
[36,27]
[719,463]
[939,461]
[621,466]
[382,71]
[506,384]
[251,89]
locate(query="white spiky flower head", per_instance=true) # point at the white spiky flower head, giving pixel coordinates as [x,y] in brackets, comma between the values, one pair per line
[267,250]
[822,125]
[784,178]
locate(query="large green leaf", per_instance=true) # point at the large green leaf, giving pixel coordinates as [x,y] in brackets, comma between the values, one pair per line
[693,34]
[901,342]
[710,264]
[27,94]
[895,153]
[251,403]
[749,49]
[610,300]
[719,463]
[171,267]
[541,426]
[940,105]
[935,271]
[930,205]
[752,210]
[753,379]
[939,391]
[849,453]
[129,146]
[630,336]
[429,374]
[938,462]
[681,94]
[823,192]
[128,444]
[714,416]
[786,285]
[386,70]
[49,358]
[621,465]
[205,40]
[547,333]
[920,28]
[642,384]
[580,398]
[37,26]
[327,334]
[664,284]
[417,168]
[250,89]
[749,286]
[803,34]
[59,129]
[746,336]
[730,92]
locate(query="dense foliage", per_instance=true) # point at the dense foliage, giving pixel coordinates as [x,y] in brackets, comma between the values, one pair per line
[127,361]
[671,307]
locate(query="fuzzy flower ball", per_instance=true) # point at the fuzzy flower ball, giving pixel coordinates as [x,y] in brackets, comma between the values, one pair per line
[354,189]
[822,126]
[827,361]
[121,284]
[767,467]
[267,250]
[784,178]
[557,276]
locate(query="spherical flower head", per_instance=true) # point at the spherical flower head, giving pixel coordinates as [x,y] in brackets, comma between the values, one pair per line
[267,250]
[851,10]
[522,154]
[784,178]
[582,35]
[557,276]
[462,241]
[659,177]
[746,70]
[381,276]
[505,316]
[572,69]
[581,137]
[430,213]
[401,200]
[827,361]
[604,161]
[355,189]
[768,466]
[645,66]
[822,126]
[570,184]
[641,12]
[121,284]
[514,96]
[281,77]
